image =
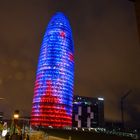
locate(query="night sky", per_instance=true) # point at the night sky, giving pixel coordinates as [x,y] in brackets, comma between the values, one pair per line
[107,52]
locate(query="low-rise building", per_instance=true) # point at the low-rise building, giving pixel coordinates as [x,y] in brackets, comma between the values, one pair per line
[88,112]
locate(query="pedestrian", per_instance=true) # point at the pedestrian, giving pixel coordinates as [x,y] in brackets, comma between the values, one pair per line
[26,136]
[7,137]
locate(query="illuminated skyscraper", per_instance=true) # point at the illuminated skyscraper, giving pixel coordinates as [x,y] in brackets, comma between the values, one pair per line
[53,92]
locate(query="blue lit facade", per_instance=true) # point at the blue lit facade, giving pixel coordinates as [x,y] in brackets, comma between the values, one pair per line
[53,92]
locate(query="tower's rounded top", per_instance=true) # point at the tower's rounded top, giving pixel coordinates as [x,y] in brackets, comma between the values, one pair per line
[59,20]
[59,27]
[59,13]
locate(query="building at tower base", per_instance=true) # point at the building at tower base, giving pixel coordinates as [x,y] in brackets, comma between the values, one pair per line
[88,112]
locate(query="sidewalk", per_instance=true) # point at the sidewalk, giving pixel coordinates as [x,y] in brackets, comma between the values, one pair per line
[38,135]
[55,138]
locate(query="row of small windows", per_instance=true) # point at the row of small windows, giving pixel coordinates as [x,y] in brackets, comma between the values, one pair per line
[62,76]
[56,88]
[61,45]
[68,86]
[53,64]
[51,105]
[56,85]
[47,100]
[54,70]
[54,42]
[62,27]
[58,95]
[67,100]
[57,57]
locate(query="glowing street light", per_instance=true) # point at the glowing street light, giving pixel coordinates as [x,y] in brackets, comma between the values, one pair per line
[100,99]
[16,116]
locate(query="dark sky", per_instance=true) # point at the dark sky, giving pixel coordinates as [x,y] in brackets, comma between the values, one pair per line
[107,53]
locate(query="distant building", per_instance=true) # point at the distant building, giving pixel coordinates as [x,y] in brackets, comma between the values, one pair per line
[88,112]
[113,125]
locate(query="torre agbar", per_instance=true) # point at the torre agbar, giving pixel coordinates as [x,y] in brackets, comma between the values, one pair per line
[53,92]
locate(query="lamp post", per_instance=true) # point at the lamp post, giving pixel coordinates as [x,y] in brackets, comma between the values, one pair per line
[16,117]
[122,106]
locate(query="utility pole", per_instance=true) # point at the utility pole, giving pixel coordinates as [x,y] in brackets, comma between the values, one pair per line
[122,106]
[137,11]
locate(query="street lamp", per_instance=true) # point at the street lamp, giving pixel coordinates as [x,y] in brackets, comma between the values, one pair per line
[122,106]
[16,117]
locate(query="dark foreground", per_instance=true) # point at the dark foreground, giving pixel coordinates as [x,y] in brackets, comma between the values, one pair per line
[80,135]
